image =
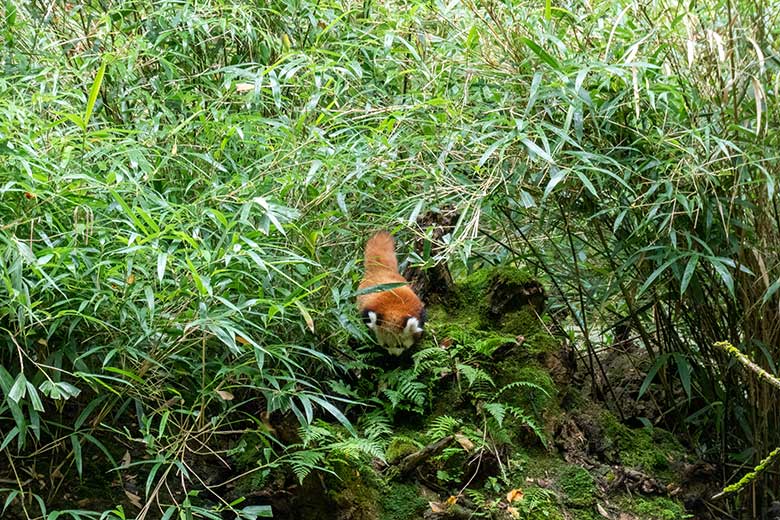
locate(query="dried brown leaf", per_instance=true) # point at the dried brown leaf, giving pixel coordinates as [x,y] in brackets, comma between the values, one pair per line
[225,395]
[134,499]
[464,442]
[515,495]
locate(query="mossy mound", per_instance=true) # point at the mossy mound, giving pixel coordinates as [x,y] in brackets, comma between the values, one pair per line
[399,447]
[651,450]
[651,508]
[578,486]
[490,377]
[402,502]
[356,495]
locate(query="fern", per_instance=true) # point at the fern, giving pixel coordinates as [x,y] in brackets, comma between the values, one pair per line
[523,384]
[405,392]
[479,497]
[315,433]
[497,411]
[359,447]
[442,426]
[375,424]
[431,361]
[395,397]
[305,461]
[475,375]
[414,392]
[520,415]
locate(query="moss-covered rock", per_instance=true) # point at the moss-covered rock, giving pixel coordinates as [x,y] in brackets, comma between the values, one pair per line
[650,449]
[402,502]
[652,508]
[578,486]
[399,447]
[522,321]
[356,492]
[531,389]
[496,292]
[491,326]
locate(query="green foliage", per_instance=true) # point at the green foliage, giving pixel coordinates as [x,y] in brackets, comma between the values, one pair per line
[442,426]
[323,445]
[643,187]
[539,504]
[405,392]
[185,185]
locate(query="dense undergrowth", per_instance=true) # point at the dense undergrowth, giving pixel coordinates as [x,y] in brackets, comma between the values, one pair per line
[185,187]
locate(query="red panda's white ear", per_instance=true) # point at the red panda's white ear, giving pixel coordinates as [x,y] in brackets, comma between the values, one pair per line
[412,326]
[371,319]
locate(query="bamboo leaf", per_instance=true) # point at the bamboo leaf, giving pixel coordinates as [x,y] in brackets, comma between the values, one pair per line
[690,268]
[93,92]
[543,54]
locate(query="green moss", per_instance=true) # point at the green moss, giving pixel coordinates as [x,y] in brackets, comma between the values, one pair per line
[578,486]
[541,343]
[657,508]
[466,321]
[355,490]
[464,327]
[472,288]
[522,322]
[402,502]
[527,398]
[539,504]
[470,293]
[399,448]
[585,514]
[648,449]
[505,274]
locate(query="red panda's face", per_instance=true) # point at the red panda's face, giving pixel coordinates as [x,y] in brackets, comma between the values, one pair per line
[395,333]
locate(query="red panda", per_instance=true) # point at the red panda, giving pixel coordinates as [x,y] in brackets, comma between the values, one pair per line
[395,315]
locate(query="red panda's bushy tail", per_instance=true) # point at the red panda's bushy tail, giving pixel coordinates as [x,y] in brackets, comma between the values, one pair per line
[380,253]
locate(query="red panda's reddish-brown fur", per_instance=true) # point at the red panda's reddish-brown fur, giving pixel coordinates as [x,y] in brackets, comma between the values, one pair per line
[395,315]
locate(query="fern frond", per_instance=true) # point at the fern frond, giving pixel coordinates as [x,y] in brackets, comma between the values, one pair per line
[414,392]
[431,360]
[375,424]
[394,396]
[359,447]
[520,415]
[304,462]
[497,411]
[442,426]
[523,384]
[314,433]
[474,375]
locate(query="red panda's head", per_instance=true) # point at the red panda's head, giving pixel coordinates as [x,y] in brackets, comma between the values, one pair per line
[396,331]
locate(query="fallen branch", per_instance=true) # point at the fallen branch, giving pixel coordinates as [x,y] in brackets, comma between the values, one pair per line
[742,358]
[413,460]
[768,378]
[750,477]
[453,512]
